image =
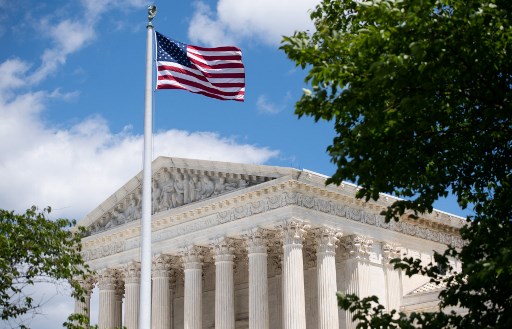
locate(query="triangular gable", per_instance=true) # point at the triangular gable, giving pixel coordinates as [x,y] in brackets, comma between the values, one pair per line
[177,182]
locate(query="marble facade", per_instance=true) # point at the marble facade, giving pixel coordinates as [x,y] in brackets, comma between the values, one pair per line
[251,246]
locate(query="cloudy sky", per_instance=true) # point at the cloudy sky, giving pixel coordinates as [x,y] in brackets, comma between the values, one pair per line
[72,100]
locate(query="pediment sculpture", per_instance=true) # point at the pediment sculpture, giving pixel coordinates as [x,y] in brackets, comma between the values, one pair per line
[173,188]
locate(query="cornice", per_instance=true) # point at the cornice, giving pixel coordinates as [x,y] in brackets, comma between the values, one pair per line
[263,198]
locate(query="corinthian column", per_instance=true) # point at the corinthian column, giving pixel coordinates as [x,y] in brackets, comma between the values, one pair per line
[258,284]
[107,308]
[326,239]
[393,277]
[161,296]
[118,312]
[131,274]
[224,285]
[83,307]
[192,264]
[294,305]
[357,270]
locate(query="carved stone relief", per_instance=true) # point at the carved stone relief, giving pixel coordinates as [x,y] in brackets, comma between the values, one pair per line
[173,188]
[340,210]
[389,252]
[131,272]
[104,251]
[357,246]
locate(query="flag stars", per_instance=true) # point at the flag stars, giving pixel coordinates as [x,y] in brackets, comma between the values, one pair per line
[172,51]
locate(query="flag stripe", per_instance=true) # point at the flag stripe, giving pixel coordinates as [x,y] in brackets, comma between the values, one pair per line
[216,58]
[214,67]
[201,86]
[213,72]
[221,87]
[239,98]
[226,73]
[219,49]
[211,77]
[173,84]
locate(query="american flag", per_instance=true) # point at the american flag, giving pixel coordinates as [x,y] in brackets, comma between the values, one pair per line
[214,72]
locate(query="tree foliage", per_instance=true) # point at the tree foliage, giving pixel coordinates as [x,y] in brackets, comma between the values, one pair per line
[36,249]
[420,95]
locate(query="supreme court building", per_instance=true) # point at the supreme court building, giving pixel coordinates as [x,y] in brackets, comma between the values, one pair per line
[253,246]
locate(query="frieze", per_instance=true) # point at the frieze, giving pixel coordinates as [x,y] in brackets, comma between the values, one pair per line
[339,210]
[104,251]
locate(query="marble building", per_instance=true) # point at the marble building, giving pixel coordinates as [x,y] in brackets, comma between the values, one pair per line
[252,246]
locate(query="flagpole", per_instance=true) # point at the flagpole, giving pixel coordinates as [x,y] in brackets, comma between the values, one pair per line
[145,254]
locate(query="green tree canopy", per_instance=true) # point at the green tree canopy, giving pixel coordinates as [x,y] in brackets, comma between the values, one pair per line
[35,249]
[420,94]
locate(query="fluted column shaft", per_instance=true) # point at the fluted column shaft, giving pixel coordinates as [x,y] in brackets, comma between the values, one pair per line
[161,296]
[84,307]
[107,303]
[294,305]
[258,282]
[193,308]
[356,270]
[224,287]
[393,277]
[132,296]
[394,287]
[326,280]
[118,311]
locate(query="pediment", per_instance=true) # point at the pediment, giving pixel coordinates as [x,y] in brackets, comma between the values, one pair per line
[177,182]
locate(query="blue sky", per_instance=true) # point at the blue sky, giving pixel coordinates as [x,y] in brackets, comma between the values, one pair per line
[72,98]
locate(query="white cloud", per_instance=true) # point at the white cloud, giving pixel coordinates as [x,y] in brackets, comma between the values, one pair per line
[264,20]
[205,30]
[265,106]
[70,35]
[74,169]
[11,74]
[67,37]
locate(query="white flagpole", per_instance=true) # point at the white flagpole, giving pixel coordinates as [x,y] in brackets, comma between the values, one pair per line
[145,254]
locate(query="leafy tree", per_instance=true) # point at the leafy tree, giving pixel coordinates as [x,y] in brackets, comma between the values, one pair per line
[420,95]
[35,249]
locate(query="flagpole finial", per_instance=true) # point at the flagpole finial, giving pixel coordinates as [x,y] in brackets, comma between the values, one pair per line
[151,14]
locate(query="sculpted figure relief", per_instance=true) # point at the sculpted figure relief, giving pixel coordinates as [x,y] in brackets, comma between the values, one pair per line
[132,211]
[167,191]
[170,189]
[179,191]
[207,187]
[156,194]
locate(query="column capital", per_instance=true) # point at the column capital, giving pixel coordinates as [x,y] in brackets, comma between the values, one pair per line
[119,290]
[192,257]
[326,239]
[390,251]
[223,250]
[107,279]
[161,266]
[131,273]
[357,246]
[256,241]
[293,231]
[86,283]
